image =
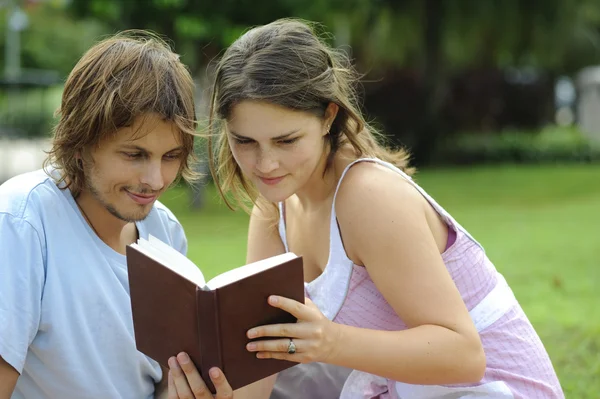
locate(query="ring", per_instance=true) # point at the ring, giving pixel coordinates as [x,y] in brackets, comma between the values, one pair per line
[291,347]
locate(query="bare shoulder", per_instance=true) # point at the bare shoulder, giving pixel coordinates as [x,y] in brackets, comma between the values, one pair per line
[377,206]
[375,188]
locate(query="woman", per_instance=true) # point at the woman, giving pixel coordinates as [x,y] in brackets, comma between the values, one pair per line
[397,290]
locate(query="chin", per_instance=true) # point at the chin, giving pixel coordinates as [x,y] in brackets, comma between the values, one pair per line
[130,215]
[274,195]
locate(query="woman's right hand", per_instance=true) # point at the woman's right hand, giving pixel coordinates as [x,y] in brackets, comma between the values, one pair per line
[185,381]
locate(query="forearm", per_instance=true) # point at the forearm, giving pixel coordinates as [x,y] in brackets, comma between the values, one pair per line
[423,355]
[259,390]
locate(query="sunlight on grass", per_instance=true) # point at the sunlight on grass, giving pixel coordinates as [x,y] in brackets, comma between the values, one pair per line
[539,226]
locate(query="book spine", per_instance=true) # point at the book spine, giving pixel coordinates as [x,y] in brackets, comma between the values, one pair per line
[209,333]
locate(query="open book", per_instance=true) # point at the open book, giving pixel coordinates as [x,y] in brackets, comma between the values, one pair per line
[175,309]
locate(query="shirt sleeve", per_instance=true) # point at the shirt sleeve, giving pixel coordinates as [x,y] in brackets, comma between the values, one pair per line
[21,286]
[179,239]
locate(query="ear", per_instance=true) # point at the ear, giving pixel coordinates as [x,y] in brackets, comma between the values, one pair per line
[330,114]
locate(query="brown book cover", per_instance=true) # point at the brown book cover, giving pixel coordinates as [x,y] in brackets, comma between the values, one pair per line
[174,310]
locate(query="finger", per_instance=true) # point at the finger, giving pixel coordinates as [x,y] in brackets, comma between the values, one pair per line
[172,391]
[310,303]
[296,357]
[295,308]
[179,380]
[274,345]
[287,330]
[222,386]
[194,380]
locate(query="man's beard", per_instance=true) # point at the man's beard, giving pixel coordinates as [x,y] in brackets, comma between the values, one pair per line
[96,194]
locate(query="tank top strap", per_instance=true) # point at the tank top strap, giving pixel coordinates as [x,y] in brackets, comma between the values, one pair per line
[281,225]
[336,245]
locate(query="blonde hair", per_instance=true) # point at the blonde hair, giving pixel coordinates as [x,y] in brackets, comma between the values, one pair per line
[128,75]
[287,64]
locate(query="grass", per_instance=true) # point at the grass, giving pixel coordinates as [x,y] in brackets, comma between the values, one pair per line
[539,225]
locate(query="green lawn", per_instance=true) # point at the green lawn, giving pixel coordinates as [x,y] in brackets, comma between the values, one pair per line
[540,226]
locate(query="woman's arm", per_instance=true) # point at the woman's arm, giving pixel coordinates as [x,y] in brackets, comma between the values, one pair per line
[384,227]
[263,235]
[383,223]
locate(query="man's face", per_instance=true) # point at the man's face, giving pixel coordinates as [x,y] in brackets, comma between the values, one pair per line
[131,169]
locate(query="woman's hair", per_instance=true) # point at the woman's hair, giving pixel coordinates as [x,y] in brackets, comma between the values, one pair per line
[129,75]
[286,63]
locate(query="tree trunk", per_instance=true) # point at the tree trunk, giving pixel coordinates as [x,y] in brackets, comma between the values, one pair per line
[433,81]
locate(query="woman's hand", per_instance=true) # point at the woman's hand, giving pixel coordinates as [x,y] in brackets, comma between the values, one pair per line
[185,381]
[314,337]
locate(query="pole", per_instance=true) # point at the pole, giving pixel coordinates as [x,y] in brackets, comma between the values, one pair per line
[12,49]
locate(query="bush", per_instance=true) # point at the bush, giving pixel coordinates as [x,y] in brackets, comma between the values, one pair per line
[28,112]
[550,145]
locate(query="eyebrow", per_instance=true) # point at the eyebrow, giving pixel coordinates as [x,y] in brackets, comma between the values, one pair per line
[145,151]
[280,137]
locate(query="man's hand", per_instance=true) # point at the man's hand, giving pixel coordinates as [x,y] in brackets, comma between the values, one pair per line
[185,381]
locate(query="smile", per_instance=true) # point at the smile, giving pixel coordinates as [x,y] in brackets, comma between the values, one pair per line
[141,199]
[271,181]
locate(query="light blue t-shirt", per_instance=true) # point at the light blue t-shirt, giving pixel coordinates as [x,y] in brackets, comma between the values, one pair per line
[65,316]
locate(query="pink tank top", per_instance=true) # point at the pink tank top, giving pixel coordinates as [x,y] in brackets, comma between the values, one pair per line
[518,365]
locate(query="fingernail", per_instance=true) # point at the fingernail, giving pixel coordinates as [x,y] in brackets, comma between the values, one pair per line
[252,333]
[251,346]
[172,362]
[274,300]
[214,373]
[183,358]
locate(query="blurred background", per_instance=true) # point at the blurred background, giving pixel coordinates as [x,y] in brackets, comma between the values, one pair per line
[498,101]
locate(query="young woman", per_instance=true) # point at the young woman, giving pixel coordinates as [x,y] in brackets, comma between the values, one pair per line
[397,290]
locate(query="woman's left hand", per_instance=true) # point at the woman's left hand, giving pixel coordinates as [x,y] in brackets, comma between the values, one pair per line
[314,337]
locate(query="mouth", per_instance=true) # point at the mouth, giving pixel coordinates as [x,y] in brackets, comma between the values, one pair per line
[271,181]
[142,199]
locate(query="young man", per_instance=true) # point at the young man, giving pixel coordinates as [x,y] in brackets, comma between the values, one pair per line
[125,134]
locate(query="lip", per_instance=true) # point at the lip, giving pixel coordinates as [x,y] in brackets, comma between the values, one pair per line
[271,181]
[142,199]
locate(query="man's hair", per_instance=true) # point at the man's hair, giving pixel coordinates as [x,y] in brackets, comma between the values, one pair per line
[128,75]
[286,63]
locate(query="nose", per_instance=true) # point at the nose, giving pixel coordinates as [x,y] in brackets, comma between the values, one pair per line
[267,162]
[152,176]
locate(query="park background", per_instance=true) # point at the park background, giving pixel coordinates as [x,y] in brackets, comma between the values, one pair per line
[498,101]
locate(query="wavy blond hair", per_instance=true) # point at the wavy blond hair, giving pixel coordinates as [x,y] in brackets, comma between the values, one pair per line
[128,75]
[286,63]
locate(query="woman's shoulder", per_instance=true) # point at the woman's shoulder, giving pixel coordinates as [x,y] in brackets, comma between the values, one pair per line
[370,181]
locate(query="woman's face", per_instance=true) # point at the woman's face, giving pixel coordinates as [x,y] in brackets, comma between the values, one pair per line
[277,148]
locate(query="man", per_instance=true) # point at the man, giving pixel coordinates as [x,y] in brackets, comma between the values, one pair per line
[124,135]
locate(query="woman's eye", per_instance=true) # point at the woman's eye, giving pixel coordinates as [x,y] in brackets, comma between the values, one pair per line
[288,141]
[242,141]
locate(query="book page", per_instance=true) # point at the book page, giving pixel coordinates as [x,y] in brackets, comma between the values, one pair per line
[248,270]
[171,258]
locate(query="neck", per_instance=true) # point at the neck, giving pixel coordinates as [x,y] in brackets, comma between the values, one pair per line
[320,187]
[110,229]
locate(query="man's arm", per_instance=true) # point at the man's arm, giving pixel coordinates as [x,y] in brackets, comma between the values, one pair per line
[21,287]
[8,379]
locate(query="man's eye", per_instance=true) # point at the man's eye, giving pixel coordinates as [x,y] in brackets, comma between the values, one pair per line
[173,157]
[133,155]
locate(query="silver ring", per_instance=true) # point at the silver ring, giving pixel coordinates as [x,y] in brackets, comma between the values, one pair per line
[291,347]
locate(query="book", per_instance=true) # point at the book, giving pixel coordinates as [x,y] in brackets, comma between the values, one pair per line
[176,310]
